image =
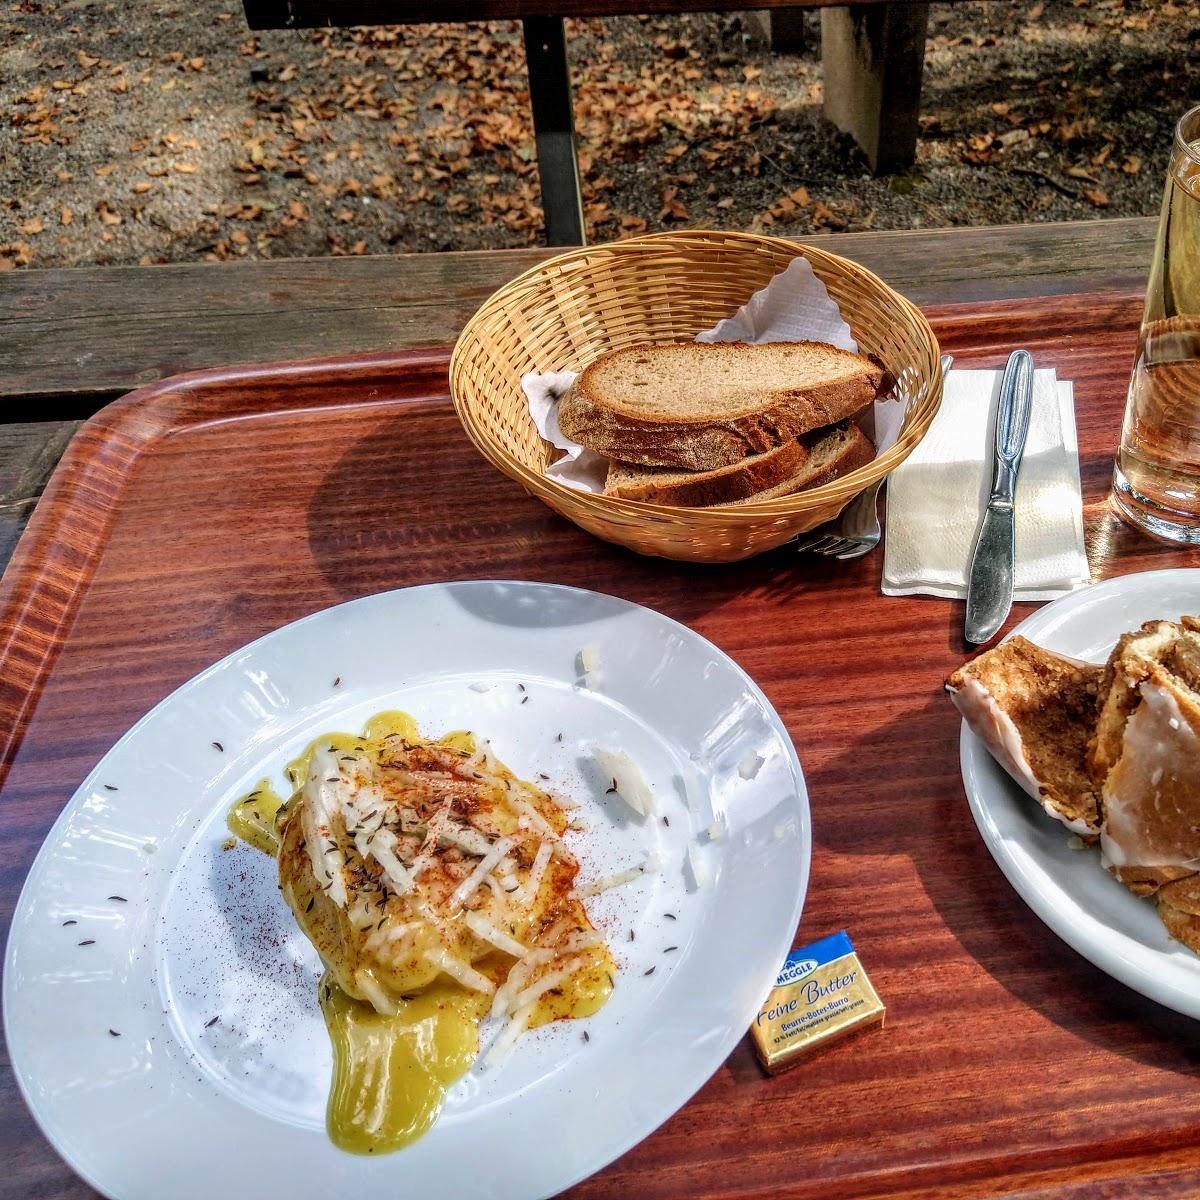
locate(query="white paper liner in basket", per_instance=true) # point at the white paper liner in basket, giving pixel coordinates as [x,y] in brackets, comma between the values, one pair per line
[794,307]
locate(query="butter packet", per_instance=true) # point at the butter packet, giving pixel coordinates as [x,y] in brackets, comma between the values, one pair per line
[822,994]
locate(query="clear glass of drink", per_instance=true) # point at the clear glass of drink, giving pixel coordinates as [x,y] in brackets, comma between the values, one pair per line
[1156,480]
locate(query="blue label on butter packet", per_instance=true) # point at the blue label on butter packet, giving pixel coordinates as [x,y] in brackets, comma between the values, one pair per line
[807,959]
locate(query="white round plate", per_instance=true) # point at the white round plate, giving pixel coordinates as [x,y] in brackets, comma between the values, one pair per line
[213,1079]
[1068,889]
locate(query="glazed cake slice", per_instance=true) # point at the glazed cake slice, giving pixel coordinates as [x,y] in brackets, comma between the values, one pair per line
[1036,712]
[1149,732]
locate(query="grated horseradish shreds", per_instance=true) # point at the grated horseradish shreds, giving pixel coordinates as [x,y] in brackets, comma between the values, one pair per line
[460,971]
[627,779]
[596,886]
[528,891]
[502,1047]
[319,830]
[431,857]
[380,1001]
[535,819]
[465,889]
[486,931]
[539,957]
[382,849]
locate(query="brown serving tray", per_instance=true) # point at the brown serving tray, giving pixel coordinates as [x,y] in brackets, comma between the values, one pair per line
[197,514]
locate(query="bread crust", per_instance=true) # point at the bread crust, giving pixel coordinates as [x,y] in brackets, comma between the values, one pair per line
[857,451]
[698,489]
[708,442]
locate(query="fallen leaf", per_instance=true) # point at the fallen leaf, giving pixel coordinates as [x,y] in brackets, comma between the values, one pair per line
[344,215]
[19,254]
[120,86]
[66,217]
[197,64]
[672,209]
[142,185]
[1097,197]
[32,226]
[1035,13]
[108,215]
[185,168]
[86,60]
[1132,164]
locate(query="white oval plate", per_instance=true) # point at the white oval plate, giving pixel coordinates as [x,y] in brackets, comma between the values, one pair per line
[1082,903]
[176,1103]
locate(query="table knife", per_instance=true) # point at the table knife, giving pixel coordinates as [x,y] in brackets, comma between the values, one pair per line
[990,584]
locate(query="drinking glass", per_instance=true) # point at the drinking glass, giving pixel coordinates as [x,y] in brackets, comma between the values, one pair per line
[1156,480]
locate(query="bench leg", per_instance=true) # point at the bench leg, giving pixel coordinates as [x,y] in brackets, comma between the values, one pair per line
[781,28]
[554,128]
[873,56]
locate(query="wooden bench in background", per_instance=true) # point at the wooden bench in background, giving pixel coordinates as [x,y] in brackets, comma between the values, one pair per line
[873,53]
[71,339]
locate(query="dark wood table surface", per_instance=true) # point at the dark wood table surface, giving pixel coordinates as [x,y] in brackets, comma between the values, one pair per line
[1010,1066]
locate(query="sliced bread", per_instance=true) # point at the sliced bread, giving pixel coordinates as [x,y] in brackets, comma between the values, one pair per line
[700,406]
[832,453]
[697,489]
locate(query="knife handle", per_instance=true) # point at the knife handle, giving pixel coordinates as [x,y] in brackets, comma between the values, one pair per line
[1012,424]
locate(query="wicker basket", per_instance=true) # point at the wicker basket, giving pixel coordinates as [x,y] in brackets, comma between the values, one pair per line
[666,288]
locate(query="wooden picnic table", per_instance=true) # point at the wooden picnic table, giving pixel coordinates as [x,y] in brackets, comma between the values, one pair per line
[1010,1066]
[73,339]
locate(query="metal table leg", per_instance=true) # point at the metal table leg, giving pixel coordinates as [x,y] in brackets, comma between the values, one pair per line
[554,127]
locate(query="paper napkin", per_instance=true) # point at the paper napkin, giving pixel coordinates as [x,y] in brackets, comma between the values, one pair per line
[793,307]
[936,497]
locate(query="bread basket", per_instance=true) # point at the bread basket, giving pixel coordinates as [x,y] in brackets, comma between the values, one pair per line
[667,288]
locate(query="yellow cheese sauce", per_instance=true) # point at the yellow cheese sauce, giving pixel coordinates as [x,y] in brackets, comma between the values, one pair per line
[391,1071]
[252,818]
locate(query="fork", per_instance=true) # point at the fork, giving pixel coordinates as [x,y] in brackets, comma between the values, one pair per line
[856,531]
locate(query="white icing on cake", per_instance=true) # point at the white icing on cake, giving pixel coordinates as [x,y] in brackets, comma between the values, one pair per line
[995,727]
[990,723]
[1152,794]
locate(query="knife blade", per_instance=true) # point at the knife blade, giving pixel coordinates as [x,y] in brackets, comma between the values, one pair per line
[993,561]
